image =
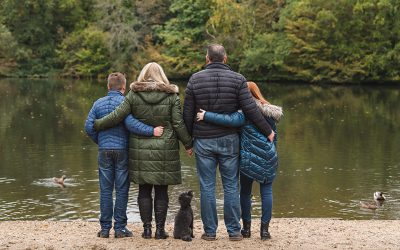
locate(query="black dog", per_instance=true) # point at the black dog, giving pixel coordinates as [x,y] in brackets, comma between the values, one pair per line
[183,228]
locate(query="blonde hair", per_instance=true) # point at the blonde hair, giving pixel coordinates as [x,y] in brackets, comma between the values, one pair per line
[153,72]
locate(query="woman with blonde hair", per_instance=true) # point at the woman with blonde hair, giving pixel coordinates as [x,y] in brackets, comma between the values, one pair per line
[153,161]
[258,158]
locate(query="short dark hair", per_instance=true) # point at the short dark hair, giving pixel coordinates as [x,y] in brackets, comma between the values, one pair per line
[216,52]
[116,81]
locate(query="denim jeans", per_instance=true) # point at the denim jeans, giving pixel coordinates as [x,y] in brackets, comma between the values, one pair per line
[113,172]
[246,184]
[224,152]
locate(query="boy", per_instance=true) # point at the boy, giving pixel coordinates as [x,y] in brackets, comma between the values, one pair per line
[113,156]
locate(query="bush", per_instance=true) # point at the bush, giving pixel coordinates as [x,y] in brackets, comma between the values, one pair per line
[85,53]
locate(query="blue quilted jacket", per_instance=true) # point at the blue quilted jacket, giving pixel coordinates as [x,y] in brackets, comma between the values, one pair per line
[115,137]
[258,156]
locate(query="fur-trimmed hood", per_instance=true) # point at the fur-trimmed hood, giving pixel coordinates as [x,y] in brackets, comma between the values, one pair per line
[154,86]
[269,110]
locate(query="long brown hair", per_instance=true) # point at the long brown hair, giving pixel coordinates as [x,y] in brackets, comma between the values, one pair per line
[255,91]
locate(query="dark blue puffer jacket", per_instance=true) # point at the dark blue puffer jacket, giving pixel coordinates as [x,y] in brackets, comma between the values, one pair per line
[258,156]
[115,137]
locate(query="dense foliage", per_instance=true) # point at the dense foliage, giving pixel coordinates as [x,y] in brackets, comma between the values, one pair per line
[308,40]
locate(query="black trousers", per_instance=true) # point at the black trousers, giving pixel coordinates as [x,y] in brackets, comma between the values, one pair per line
[160,192]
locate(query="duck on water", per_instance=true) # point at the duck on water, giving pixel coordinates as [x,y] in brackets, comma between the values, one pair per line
[379,198]
[60,180]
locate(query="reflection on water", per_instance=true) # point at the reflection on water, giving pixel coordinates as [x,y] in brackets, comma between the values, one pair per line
[337,145]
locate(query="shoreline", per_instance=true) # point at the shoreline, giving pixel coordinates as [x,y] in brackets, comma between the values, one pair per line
[287,233]
[364,83]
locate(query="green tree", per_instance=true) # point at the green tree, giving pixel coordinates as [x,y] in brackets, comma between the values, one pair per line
[7,51]
[86,53]
[38,25]
[117,18]
[266,58]
[231,26]
[341,40]
[245,28]
[152,15]
[184,36]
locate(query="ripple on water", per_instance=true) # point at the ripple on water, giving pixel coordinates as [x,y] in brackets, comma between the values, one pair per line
[12,210]
[6,180]
[48,182]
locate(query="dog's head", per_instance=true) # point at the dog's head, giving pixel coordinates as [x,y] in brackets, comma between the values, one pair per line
[185,198]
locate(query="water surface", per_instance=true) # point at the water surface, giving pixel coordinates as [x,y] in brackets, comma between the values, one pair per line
[337,145]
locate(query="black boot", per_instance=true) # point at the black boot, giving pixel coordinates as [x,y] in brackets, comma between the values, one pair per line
[264,231]
[160,211]
[246,230]
[146,211]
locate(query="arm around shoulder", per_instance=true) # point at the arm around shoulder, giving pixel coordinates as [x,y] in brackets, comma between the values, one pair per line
[115,117]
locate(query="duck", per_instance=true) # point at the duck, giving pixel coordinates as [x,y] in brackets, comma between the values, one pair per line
[378,196]
[59,180]
[368,205]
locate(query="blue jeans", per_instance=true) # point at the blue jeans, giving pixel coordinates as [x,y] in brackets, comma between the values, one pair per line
[246,184]
[113,172]
[222,151]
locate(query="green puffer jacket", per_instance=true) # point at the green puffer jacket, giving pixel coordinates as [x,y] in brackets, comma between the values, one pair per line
[153,160]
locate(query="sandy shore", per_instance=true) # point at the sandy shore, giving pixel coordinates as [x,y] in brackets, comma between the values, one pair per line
[286,234]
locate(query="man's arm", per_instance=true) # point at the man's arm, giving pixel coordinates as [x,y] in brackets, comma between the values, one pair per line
[251,111]
[89,125]
[189,107]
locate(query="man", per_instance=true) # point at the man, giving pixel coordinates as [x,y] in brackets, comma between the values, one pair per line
[219,89]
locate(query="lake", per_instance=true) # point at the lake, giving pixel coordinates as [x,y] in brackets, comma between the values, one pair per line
[337,146]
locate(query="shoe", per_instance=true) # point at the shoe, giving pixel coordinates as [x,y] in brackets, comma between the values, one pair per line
[246,230]
[103,234]
[122,233]
[236,237]
[146,231]
[208,237]
[264,234]
[160,212]
[160,234]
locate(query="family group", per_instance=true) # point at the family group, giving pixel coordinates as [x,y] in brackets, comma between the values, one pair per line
[226,122]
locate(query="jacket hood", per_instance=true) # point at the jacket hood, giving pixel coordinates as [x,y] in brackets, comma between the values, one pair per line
[269,110]
[153,92]
[154,86]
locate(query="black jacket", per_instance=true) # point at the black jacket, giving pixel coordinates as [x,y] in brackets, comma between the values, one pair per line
[219,89]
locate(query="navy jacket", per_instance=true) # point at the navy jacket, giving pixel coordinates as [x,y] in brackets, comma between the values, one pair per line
[258,156]
[115,137]
[219,89]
